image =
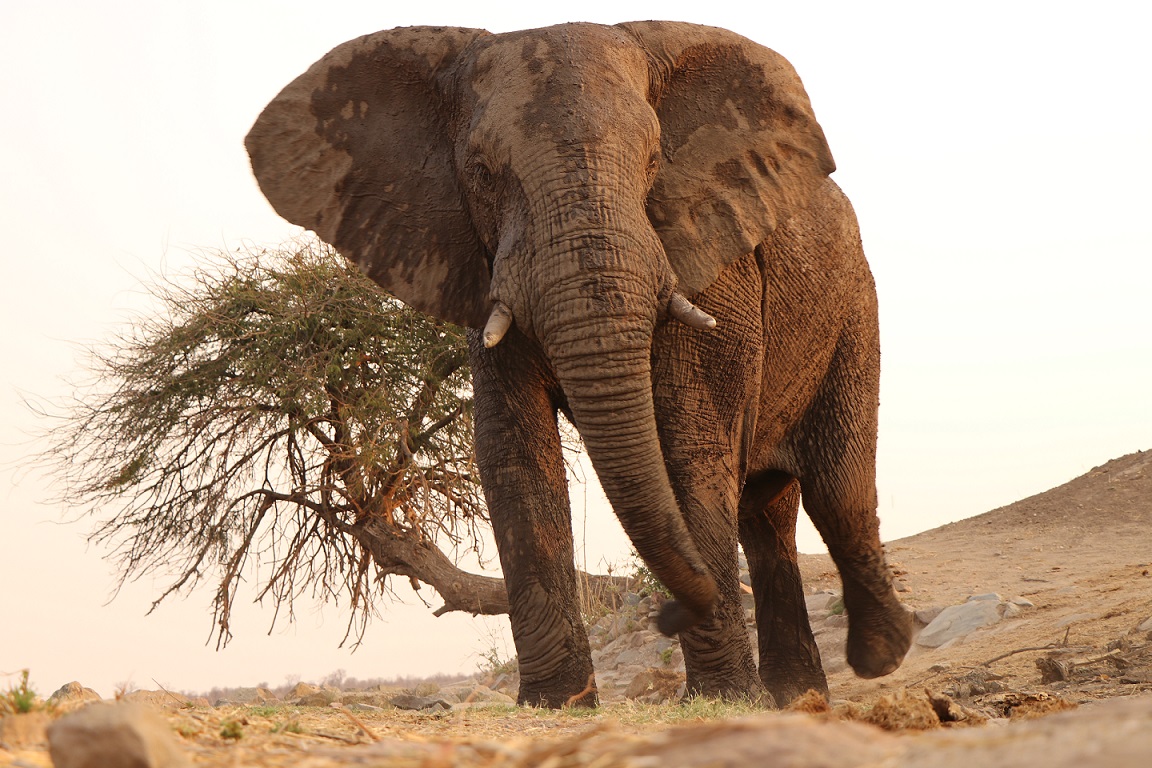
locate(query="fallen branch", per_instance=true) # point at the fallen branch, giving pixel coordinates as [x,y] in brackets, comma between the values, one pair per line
[359,723]
[1001,657]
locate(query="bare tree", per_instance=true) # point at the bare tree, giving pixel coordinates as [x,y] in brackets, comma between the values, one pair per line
[285,417]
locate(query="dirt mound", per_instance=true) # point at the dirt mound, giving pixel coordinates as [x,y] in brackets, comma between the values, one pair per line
[1109,501]
[1080,553]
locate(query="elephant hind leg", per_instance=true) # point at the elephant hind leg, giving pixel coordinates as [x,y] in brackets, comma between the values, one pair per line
[835,448]
[789,659]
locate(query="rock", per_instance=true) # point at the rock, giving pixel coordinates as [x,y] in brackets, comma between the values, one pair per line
[820,601]
[252,696]
[1146,626]
[924,616]
[72,695]
[654,686]
[300,690]
[957,621]
[989,596]
[377,699]
[106,735]
[167,699]
[837,620]
[475,694]
[411,701]
[319,699]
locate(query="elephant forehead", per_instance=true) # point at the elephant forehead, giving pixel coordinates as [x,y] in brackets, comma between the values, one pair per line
[579,81]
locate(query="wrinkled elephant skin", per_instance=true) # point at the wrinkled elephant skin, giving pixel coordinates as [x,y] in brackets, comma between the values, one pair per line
[640,219]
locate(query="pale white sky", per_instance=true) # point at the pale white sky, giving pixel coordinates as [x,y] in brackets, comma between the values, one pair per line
[998,154]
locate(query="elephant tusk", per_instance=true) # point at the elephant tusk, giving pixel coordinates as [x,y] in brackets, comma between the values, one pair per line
[498,324]
[689,314]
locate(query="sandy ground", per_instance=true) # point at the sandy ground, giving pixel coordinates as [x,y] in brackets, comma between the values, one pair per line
[1082,553]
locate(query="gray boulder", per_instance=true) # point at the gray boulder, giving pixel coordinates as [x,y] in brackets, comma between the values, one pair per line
[106,735]
[957,621]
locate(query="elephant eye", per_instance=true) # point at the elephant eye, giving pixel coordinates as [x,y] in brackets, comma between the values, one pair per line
[653,166]
[481,172]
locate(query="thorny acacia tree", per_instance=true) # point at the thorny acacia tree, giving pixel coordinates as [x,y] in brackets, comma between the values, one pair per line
[283,413]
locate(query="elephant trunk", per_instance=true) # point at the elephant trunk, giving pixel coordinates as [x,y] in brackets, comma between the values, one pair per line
[603,362]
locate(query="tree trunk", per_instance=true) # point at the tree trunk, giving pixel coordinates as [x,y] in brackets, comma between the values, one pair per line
[424,561]
[461,590]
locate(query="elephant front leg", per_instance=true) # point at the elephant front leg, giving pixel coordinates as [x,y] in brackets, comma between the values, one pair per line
[789,658]
[705,384]
[522,470]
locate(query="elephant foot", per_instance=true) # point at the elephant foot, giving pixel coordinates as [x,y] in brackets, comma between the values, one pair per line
[788,682]
[754,694]
[554,698]
[675,617]
[878,639]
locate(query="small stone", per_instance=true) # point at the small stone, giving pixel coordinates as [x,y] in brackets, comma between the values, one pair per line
[943,666]
[820,601]
[985,596]
[1146,626]
[1022,602]
[416,703]
[1073,619]
[105,735]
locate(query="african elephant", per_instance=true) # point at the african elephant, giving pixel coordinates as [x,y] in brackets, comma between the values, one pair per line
[640,220]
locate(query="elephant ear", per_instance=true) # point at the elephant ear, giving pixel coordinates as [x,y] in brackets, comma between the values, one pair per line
[358,150]
[741,147]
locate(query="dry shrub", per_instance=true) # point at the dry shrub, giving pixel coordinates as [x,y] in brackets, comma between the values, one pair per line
[811,702]
[901,711]
[1030,709]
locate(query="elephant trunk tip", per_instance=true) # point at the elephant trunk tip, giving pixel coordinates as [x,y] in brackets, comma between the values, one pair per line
[675,617]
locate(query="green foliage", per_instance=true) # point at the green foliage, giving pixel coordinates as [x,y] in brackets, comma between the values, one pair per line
[291,725]
[493,663]
[275,417]
[232,729]
[20,699]
[649,583]
[667,654]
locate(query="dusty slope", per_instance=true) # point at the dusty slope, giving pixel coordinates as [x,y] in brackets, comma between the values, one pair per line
[1082,552]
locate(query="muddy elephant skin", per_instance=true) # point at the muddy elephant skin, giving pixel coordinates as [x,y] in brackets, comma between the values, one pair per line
[637,221]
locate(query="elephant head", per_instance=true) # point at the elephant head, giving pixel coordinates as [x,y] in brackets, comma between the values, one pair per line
[580,181]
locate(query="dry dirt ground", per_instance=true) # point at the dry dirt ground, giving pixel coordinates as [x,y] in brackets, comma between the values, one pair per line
[1081,553]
